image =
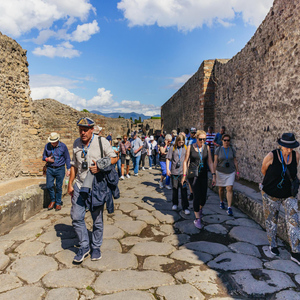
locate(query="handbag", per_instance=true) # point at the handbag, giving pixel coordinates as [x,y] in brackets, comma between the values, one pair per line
[192,172]
[294,183]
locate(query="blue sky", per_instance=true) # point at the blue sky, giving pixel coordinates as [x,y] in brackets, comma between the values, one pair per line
[124,55]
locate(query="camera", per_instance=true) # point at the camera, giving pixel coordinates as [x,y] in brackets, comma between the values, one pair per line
[84,165]
[227,164]
[178,165]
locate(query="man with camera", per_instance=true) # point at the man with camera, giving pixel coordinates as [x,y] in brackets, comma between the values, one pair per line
[86,152]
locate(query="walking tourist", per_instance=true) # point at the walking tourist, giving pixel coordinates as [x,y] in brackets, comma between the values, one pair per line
[218,137]
[226,167]
[56,155]
[143,152]
[136,146]
[116,149]
[191,139]
[87,153]
[175,157]
[152,146]
[109,138]
[197,158]
[119,163]
[280,187]
[164,148]
[125,148]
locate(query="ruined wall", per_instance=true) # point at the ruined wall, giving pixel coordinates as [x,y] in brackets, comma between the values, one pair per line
[15,107]
[258,90]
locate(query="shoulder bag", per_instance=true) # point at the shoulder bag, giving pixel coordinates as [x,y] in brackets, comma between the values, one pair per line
[294,183]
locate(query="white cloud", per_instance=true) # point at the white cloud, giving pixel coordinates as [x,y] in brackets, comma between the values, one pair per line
[178,82]
[187,15]
[231,41]
[18,16]
[85,31]
[62,50]
[46,80]
[102,102]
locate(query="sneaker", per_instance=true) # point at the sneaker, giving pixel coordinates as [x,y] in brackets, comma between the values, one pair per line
[222,205]
[191,197]
[187,212]
[136,174]
[174,207]
[274,250]
[81,255]
[161,184]
[96,254]
[122,177]
[150,168]
[229,212]
[198,224]
[168,187]
[128,176]
[143,168]
[295,257]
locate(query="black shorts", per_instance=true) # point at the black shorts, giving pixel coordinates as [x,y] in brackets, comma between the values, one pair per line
[123,160]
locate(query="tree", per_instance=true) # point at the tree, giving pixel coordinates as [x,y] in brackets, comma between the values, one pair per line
[85,110]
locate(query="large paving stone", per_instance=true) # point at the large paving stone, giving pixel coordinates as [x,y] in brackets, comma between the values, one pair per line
[117,281]
[286,266]
[168,217]
[179,292]
[33,268]
[53,236]
[192,256]
[245,248]
[152,248]
[187,227]
[205,281]
[112,232]
[121,217]
[127,207]
[130,295]
[234,261]
[66,257]
[9,282]
[167,229]
[261,282]
[176,239]
[112,260]
[24,293]
[283,253]
[78,278]
[208,247]
[216,228]
[146,206]
[4,245]
[287,295]
[156,262]
[132,240]
[216,219]
[148,219]
[63,293]
[60,245]
[139,212]
[131,227]
[111,245]
[243,222]
[249,235]
[4,261]
[30,248]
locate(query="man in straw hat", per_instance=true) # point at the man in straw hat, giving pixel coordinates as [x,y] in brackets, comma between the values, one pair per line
[86,153]
[56,155]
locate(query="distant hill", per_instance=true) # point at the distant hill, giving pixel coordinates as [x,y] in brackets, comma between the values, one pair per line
[133,115]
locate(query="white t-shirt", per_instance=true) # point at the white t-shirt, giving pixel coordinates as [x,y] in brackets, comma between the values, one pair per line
[152,147]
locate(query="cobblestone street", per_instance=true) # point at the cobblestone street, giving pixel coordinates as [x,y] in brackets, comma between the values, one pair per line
[149,252]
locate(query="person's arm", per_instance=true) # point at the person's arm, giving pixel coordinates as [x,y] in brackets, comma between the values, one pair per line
[73,172]
[268,160]
[211,166]
[168,167]
[163,149]
[185,163]
[67,160]
[297,158]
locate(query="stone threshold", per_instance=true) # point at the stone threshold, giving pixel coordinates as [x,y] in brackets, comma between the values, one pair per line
[250,202]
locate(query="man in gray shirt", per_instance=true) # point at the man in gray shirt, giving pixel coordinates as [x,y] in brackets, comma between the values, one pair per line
[86,152]
[136,145]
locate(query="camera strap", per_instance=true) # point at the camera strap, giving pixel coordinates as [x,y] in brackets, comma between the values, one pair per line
[200,156]
[85,151]
[100,145]
[226,153]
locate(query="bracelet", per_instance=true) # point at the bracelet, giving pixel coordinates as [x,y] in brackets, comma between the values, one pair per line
[46,159]
[213,174]
[237,172]
[184,174]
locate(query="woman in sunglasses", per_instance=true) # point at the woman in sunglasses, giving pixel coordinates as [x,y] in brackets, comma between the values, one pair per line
[279,168]
[198,156]
[226,167]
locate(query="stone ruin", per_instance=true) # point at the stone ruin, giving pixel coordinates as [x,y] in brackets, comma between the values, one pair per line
[256,94]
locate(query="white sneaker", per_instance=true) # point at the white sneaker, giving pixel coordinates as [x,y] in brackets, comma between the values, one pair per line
[187,212]
[150,168]
[136,174]
[161,184]
[174,207]
[143,168]
[127,176]
[168,187]
[122,177]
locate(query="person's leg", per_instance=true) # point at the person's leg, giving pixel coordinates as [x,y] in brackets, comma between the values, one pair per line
[119,167]
[97,234]
[196,201]
[168,179]
[50,176]
[136,168]
[221,196]
[184,197]
[127,166]
[175,196]
[60,175]
[229,195]
[271,212]
[150,161]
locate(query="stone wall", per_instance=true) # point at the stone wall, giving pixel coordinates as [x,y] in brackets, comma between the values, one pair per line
[258,90]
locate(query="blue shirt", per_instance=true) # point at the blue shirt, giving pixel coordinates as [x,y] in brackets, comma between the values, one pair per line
[190,141]
[60,153]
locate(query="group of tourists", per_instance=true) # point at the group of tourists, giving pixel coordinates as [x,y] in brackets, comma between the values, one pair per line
[185,159]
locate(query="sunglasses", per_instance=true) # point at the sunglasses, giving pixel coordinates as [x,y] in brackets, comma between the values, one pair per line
[202,140]
[226,140]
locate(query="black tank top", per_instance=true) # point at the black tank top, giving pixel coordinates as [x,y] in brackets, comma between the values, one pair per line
[273,177]
[195,159]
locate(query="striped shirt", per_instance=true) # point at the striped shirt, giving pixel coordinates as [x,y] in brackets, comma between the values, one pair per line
[210,139]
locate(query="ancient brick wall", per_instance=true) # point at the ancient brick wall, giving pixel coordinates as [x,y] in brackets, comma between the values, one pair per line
[257,92]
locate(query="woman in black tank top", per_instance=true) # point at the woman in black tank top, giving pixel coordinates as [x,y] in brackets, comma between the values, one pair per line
[276,190]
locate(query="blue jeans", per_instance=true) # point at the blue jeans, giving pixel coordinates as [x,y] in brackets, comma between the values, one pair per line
[150,161]
[77,215]
[163,166]
[136,161]
[58,175]
[119,167]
